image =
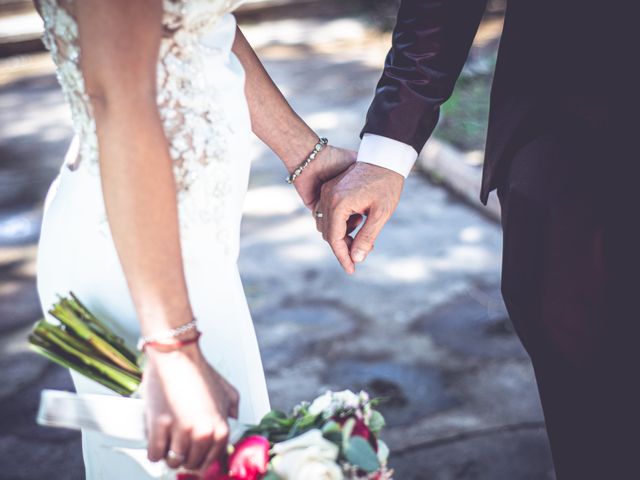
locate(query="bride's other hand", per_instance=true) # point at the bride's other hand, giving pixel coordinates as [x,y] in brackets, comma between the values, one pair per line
[188,403]
[279,126]
[330,162]
[187,407]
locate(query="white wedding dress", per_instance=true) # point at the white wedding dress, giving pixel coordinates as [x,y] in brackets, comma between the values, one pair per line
[206,120]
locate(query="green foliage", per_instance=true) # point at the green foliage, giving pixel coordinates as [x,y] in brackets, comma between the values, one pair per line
[332,432]
[464,117]
[347,430]
[360,453]
[271,476]
[377,422]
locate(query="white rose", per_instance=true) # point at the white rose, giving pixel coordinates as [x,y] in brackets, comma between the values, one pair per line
[347,398]
[320,404]
[307,457]
[318,470]
[329,403]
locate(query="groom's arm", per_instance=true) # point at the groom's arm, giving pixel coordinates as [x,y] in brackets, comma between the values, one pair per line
[431,41]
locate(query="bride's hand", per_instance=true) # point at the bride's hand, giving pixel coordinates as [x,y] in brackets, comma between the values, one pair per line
[187,406]
[330,162]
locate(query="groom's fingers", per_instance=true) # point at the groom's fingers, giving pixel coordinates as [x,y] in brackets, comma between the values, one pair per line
[366,237]
[335,233]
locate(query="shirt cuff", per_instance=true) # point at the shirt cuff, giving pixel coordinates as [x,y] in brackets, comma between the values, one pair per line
[388,153]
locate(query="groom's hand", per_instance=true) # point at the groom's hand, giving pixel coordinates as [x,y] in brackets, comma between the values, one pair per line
[363,189]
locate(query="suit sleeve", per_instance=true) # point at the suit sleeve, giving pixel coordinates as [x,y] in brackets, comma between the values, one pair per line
[431,41]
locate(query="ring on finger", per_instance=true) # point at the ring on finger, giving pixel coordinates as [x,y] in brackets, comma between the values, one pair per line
[174,456]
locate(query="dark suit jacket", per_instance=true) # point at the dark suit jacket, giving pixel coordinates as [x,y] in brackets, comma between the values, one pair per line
[557,62]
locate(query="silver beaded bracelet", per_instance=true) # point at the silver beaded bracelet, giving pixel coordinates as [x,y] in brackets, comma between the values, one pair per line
[322,142]
[168,334]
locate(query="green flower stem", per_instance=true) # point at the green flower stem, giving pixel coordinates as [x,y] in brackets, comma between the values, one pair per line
[69,318]
[101,328]
[110,372]
[63,361]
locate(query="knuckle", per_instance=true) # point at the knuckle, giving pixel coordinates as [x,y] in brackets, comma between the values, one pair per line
[337,201]
[366,238]
[185,431]
[222,432]
[380,214]
[202,436]
[163,421]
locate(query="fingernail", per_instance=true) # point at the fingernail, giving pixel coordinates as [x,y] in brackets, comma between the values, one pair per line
[358,255]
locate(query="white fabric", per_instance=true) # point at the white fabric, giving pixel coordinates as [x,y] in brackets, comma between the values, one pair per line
[210,151]
[94,412]
[388,153]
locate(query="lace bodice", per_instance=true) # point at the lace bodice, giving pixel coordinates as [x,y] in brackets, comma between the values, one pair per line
[195,127]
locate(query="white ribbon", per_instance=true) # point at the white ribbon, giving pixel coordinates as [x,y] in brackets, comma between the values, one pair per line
[115,416]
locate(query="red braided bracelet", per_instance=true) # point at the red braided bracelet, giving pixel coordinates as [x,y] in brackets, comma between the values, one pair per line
[171,346]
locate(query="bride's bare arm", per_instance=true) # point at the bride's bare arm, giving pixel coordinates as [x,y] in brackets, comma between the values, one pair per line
[279,126]
[187,402]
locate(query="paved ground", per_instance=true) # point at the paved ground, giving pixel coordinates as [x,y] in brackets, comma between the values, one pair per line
[422,322]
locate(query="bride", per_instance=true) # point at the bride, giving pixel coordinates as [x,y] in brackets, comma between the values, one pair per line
[143,220]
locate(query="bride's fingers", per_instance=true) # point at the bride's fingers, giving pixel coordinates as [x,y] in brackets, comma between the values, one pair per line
[178,448]
[158,435]
[220,442]
[209,460]
[201,444]
[233,410]
[234,400]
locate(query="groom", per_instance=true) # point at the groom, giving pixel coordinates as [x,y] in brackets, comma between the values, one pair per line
[556,152]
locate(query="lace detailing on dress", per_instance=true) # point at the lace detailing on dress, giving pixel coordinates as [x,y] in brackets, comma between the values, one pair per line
[189,103]
[61,39]
[195,124]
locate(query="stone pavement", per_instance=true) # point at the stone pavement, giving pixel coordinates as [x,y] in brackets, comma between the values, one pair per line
[421,323]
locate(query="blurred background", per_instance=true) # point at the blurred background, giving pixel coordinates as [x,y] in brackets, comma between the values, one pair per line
[422,322]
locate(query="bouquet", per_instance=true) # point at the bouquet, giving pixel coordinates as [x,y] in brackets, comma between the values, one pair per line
[334,437]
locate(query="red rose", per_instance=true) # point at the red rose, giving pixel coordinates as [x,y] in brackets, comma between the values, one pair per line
[187,476]
[360,429]
[249,459]
[216,471]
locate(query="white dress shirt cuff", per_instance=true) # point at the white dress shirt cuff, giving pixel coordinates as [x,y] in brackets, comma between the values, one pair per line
[388,153]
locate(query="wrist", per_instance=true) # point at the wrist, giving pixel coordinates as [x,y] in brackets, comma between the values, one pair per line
[297,149]
[190,352]
[374,167]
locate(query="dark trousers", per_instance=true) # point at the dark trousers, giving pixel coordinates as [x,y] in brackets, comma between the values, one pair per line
[571,283]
